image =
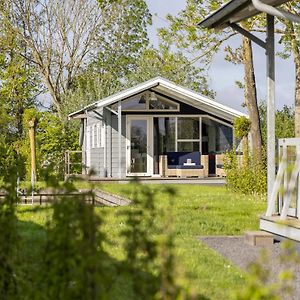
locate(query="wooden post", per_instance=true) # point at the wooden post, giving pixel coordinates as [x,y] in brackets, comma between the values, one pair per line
[270,105]
[32,124]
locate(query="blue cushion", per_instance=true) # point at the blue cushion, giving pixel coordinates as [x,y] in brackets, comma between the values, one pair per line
[173,158]
[194,156]
[172,166]
[189,167]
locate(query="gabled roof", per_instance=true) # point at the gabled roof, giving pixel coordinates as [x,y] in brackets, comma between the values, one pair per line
[170,89]
[233,12]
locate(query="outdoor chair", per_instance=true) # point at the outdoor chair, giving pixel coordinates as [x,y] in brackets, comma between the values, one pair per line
[184,164]
[220,171]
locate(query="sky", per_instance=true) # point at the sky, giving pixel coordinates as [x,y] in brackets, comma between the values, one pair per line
[223,74]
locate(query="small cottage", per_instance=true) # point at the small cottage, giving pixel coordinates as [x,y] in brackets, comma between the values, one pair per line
[156,128]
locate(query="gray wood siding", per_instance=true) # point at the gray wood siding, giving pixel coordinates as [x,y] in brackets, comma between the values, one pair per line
[105,160]
[115,147]
[97,153]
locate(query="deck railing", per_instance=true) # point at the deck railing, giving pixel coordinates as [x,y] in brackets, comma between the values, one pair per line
[285,197]
[74,163]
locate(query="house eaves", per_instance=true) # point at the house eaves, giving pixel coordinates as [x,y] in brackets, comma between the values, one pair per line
[118,96]
[177,92]
[233,12]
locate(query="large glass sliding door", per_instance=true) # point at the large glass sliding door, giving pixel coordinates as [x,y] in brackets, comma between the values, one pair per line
[216,137]
[138,147]
[164,138]
[148,137]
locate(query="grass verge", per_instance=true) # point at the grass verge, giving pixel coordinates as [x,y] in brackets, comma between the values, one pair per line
[196,211]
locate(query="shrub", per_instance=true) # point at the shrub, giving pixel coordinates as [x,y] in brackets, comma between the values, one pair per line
[246,177]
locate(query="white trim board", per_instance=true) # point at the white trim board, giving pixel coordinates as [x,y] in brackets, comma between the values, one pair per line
[167,87]
[280,229]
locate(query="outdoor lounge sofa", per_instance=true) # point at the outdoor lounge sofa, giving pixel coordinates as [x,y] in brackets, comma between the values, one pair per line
[184,164]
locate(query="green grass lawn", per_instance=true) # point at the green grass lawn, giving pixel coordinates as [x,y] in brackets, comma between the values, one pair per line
[196,211]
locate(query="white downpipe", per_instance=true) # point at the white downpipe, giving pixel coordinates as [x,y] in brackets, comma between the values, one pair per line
[276,12]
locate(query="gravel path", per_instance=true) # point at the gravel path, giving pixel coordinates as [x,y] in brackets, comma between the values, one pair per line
[241,254]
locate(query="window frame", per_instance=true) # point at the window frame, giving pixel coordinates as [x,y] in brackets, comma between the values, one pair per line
[148,109]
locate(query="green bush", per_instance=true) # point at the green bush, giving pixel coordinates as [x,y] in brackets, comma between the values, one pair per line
[72,261]
[246,177]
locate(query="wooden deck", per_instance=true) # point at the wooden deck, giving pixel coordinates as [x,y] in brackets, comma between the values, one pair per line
[289,228]
[217,181]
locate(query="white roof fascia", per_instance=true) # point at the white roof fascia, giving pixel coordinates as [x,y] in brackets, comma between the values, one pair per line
[128,93]
[202,99]
[203,102]
[121,95]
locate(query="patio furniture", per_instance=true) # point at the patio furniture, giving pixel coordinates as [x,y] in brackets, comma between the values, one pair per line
[184,164]
[220,170]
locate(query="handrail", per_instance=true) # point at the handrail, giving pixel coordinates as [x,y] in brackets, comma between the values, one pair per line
[276,12]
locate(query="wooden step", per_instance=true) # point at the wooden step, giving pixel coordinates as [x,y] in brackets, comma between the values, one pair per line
[258,238]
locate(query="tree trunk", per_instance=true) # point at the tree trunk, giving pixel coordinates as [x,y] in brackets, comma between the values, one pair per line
[296,53]
[251,100]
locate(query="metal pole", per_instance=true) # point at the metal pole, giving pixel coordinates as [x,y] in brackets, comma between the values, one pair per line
[270,104]
[120,137]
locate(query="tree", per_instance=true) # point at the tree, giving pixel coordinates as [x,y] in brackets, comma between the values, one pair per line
[64,36]
[284,122]
[59,36]
[203,44]
[242,127]
[173,66]
[123,37]
[290,40]
[151,63]
[18,83]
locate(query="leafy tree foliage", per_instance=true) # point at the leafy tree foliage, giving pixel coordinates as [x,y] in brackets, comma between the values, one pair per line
[173,66]
[284,122]
[18,82]
[63,37]
[92,86]
[73,263]
[53,138]
[81,272]
[123,36]
[202,44]
[241,127]
[290,39]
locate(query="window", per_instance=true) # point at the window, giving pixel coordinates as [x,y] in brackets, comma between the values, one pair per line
[147,101]
[137,102]
[188,146]
[188,134]
[162,104]
[94,135]
[216,137]
[188,128]
[98,135]
[102,141]
[164,134]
